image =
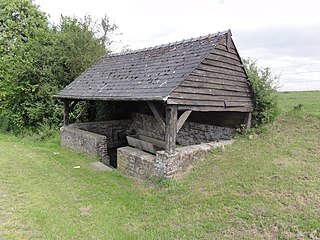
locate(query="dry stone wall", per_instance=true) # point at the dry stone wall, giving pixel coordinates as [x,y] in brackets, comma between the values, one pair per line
[85,142]
[191,133]
[136,163]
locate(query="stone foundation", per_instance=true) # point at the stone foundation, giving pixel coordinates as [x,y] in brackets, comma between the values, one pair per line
[95,138]
[136,163]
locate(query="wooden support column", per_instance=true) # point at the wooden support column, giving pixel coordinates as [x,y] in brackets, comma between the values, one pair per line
[171,129]
[66,119]
[247,120]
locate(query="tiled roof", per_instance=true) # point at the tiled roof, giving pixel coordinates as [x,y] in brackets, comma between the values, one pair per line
[147,74]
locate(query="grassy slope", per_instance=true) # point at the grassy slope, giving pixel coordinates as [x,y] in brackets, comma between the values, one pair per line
[266,187]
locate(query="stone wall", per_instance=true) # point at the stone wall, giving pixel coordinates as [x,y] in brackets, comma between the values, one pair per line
[136,163]
[191,133]
[95,138]
[113,130]
[87,142]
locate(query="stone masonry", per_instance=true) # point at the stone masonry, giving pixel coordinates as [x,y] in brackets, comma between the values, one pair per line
[95,138]
[87,142]
[136,163]
[191,133]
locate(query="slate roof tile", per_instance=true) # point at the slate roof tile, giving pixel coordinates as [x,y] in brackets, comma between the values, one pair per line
[146,74]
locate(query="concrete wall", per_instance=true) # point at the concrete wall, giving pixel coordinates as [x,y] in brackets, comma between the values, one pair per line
[136,163]
[191,133]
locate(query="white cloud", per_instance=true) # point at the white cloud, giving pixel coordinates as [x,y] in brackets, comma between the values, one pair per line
[147,23]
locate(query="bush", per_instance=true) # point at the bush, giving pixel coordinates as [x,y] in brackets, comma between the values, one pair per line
[264,87]
[37,59]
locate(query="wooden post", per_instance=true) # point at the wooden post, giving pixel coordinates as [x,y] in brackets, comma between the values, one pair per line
[247,120]
[66,119]
[171,129]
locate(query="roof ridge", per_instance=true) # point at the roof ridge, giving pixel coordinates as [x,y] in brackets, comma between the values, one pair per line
[167,44]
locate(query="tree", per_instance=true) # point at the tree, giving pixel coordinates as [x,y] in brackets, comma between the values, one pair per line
[38,59]
[264,86]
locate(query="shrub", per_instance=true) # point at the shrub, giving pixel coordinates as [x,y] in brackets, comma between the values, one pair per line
[264,87]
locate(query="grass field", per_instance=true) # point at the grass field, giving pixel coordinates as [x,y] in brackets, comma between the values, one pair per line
[267,187]
[308,101]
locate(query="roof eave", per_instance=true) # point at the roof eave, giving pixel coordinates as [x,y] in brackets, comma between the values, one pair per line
[158,98]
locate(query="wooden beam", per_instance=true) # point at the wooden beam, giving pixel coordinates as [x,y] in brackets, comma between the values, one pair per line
[66,119]
[229,43]
[247,120]
[157,115]
[171,129]
[182,119]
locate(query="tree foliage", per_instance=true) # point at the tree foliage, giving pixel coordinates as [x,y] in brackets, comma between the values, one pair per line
[38,59]
[264,86]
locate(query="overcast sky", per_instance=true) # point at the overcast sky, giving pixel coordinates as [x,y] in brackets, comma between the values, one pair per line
[282,35]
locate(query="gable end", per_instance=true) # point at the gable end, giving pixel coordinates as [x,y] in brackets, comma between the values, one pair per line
[219,83]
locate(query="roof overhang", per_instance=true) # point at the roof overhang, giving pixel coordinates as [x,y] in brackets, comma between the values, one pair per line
[158,98]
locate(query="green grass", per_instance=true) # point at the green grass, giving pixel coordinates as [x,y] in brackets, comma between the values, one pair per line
[261,188]
[308,101]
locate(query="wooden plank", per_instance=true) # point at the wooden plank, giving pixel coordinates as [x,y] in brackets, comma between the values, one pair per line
[218,74]
[209,86]
[182,119]
[227,65]
[211,97]
[209,82]
[157,115]
[66,119]
[215,109]
[224,52]
[171,129]
[221,70]
[204,74]
[223,104]
[220,90]
[225,59]
[224,48]
[229,41]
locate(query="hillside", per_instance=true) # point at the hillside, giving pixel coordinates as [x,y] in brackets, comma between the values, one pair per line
[265,187]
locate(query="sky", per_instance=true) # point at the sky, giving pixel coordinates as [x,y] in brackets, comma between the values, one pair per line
[282,35]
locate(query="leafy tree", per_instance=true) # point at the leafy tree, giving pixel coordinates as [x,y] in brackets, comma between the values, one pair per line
[264,86]
[38,59]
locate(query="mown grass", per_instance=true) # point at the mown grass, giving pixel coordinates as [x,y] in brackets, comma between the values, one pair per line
[261,188]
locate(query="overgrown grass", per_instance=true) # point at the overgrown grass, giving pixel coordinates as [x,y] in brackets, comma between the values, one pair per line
[261,188]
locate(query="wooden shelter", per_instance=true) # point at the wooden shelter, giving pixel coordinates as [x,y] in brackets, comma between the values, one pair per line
[202,75]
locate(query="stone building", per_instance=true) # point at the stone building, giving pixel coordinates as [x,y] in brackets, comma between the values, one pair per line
[180,100]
